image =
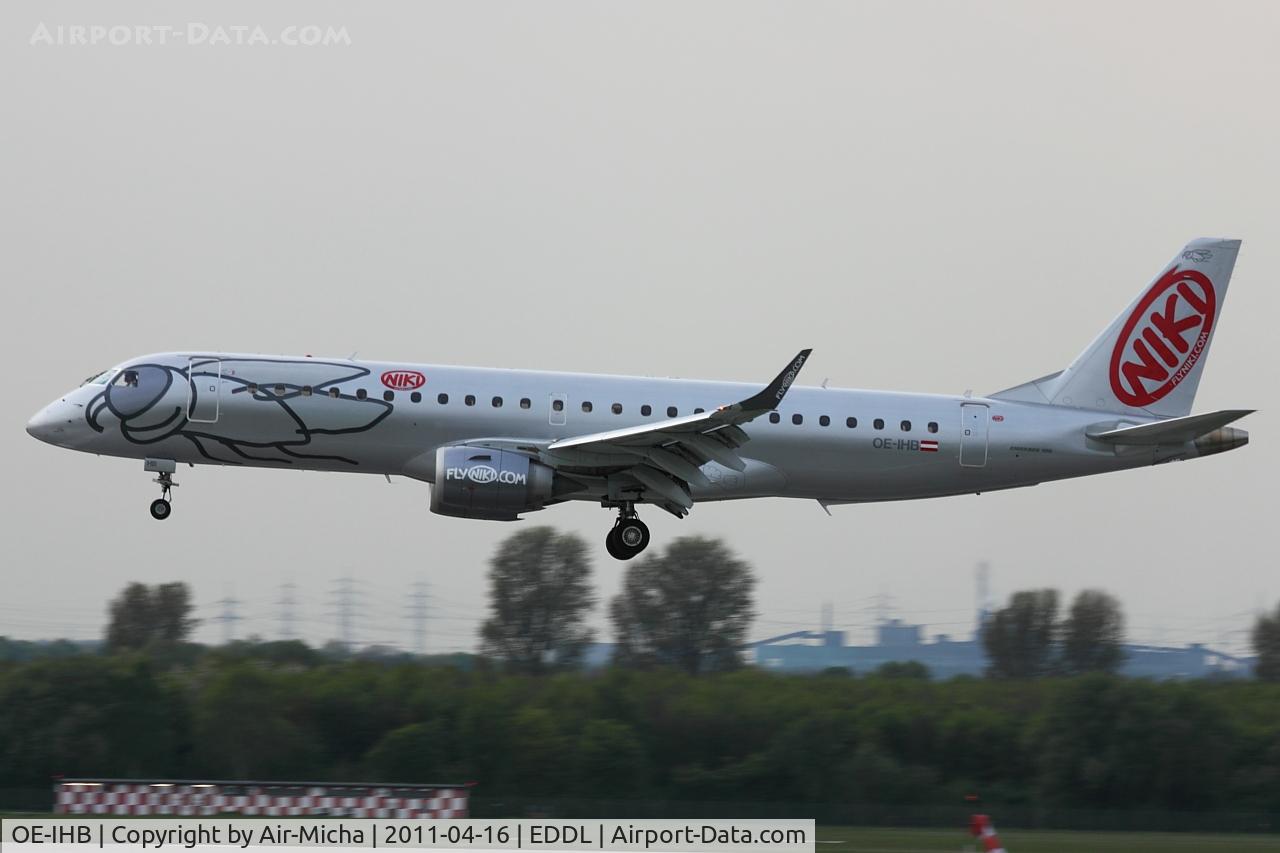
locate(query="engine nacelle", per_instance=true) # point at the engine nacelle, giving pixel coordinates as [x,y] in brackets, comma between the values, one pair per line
[476,482]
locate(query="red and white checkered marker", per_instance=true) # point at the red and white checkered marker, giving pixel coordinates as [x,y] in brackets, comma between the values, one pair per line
[275,799]
[980,827]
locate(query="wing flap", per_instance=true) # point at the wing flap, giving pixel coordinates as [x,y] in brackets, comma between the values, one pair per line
[663,485]
[677,465]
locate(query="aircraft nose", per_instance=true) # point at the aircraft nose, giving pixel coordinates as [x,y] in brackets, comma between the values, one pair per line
[53,423]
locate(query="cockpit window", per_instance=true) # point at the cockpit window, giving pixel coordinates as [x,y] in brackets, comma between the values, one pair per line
[98,379]
[127,378]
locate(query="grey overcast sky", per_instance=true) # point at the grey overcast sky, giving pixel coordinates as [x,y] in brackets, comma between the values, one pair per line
[936,196]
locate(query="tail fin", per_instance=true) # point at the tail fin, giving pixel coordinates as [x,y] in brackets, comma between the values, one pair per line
[1149,360]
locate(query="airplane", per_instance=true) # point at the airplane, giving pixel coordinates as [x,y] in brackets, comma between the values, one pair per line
[496,444]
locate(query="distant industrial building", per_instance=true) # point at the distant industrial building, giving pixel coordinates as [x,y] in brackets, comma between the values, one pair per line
[899,642]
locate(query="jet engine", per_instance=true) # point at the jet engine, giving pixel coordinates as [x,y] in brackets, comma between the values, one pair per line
[476,482]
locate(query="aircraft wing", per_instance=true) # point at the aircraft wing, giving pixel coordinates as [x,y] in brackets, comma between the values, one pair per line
[664,457]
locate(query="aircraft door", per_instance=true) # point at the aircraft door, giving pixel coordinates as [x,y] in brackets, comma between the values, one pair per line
[204,387]
[973,435]
[556,409]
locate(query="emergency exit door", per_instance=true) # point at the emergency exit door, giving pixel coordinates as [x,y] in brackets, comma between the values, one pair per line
[973,435]
[556,409]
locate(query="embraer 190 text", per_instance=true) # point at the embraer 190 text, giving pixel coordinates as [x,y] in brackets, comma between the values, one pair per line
[497,443]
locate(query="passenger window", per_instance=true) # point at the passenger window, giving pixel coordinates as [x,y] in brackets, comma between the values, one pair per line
[128,377]
[698,411]
[253,387]
[824,421]
[646,410]
[388,395]
[878,423]
[525,402]
[586,406]
[333,392]
[906,426]
[851,423]
[361,394]
[617,408]
[415,397]
[774,417]
[672,411]
[442,399]
[306,390]
[933,426]
[557,405]
[469,400]
[797,419]
[279,390]
[497,402]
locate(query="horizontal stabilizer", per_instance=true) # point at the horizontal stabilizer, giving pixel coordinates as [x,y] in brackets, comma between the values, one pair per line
[1173,430]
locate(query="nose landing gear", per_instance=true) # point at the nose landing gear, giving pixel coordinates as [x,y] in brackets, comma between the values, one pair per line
[161,508]
[629,535]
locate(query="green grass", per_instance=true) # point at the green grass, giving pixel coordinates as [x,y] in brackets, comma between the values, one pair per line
[839,839]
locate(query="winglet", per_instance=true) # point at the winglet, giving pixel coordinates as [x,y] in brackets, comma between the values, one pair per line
[771,397]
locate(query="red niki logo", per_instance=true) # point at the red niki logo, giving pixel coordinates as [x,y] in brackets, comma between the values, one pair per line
[1163,338]
[403,380]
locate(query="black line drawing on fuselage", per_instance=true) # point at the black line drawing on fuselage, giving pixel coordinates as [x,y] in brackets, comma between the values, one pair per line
[155,402]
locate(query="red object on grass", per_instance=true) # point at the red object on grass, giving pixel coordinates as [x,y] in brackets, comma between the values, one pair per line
[980,826]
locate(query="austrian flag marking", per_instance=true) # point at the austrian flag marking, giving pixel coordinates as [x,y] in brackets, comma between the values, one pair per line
[929,445]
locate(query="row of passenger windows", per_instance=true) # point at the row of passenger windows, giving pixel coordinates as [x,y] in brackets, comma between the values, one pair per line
[851,423]
[646,410]
[470,399]
[558,405]
[361,394]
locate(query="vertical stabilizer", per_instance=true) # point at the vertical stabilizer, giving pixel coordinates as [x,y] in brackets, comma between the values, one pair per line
[1149,360]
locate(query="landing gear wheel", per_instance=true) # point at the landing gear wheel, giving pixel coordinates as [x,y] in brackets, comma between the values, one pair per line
[611,545]
[628,538]
[632,536]
[629,535]
[160,507]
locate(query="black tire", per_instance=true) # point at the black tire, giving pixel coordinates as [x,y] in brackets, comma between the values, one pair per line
[632,537]
[611,545]
[160,509]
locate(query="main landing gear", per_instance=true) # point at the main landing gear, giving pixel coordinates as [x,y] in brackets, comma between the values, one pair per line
[629,535]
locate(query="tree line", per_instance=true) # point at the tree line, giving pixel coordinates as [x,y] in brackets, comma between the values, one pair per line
[651,734]
[678,715]
[688,607]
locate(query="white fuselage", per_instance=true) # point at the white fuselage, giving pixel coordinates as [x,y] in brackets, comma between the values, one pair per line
[833,445]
